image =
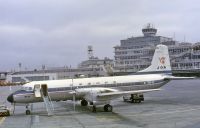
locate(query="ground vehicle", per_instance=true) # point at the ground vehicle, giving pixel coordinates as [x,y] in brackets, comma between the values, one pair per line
[135,98]
[4,111]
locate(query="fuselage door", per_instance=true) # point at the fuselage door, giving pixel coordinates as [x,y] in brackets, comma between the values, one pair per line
[44,89]
[37,90]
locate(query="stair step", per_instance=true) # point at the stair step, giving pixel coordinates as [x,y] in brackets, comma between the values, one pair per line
[48,104]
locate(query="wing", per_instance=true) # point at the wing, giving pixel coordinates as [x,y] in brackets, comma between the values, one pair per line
[116,94]
[178,78]
[106,94]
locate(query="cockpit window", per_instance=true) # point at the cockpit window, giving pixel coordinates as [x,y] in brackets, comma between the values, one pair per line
[27,88]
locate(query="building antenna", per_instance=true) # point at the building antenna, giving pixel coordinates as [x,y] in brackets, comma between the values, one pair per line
[174,36]
[20,66]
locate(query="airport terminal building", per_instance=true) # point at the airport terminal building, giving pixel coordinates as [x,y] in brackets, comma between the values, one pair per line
[135,53]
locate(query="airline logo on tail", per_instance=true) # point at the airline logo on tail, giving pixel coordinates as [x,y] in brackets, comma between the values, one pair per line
[162,62]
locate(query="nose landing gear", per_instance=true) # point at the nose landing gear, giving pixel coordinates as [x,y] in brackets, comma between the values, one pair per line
[28,111]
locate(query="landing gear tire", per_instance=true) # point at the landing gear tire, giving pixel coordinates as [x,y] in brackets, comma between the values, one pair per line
[124,99]
[84,103]
[94,109]
[108,108]
[28,112]
[136,101]
[8,113]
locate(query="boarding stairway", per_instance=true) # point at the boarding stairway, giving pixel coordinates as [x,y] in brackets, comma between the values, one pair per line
[48,103]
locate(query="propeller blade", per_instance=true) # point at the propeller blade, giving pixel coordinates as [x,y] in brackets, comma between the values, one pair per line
[74,100]
[10,89]
[13,108]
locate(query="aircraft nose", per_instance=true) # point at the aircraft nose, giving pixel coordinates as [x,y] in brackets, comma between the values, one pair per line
[10,98]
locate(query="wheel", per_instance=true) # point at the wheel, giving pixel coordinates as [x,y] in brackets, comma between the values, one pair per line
[133,101]
[28,112]
[108,108]
[136,101]
[142,97]
[84,103]
[94,109]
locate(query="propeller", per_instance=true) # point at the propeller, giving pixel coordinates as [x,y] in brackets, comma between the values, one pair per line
[13,108]
[74,100]
[12,104]
[73,94]
[10,88]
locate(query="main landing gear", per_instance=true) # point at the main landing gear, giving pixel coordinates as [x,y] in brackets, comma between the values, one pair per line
[134,98]
[107,108]
[84,103]
[94,108]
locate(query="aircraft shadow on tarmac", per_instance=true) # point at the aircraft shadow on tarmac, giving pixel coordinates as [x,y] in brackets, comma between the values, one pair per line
[64,109]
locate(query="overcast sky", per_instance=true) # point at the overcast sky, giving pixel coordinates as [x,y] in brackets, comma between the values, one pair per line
[57,32]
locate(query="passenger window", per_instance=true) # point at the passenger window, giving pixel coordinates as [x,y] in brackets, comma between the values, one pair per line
[26,88]
[30,89]
[23,88]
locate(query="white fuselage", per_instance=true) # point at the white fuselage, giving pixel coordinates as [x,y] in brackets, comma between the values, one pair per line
[61,89]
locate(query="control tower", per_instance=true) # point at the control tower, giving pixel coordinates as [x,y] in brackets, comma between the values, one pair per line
[149,30]
[90,52]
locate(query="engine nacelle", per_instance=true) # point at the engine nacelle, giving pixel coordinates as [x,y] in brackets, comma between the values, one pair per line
[91,95]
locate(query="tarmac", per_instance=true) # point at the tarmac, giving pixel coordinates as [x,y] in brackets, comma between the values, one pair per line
[177,105]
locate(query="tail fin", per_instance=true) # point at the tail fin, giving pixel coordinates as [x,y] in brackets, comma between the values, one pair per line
[160,62]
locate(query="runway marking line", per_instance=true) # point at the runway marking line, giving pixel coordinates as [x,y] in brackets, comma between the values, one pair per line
[108,119]
[2,120]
